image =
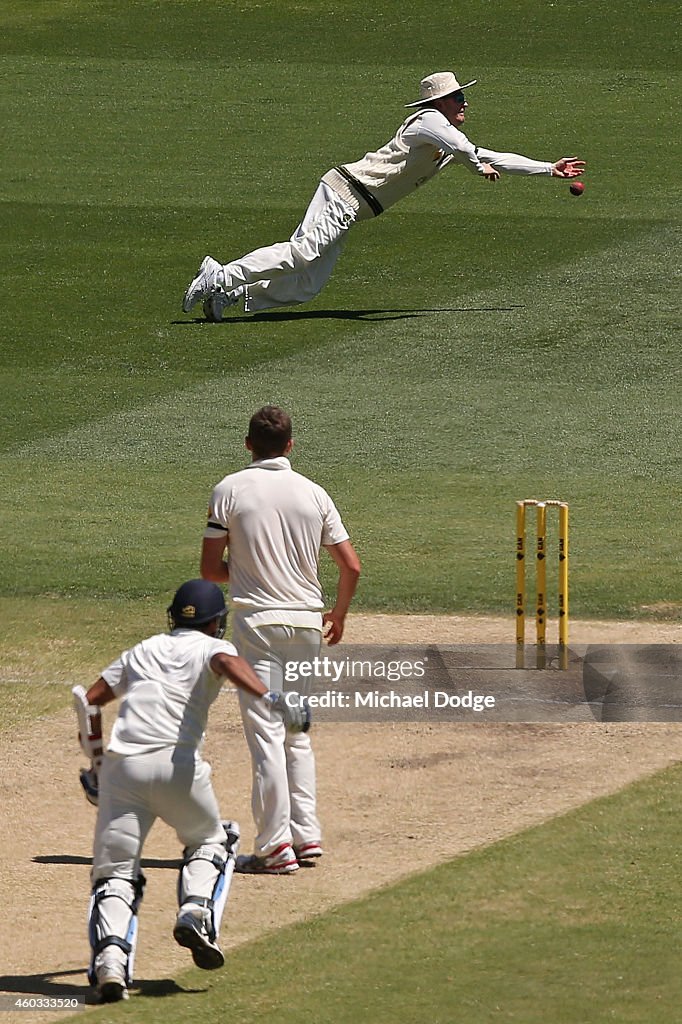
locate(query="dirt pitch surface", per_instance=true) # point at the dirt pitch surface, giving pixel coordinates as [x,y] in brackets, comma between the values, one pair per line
[394,799]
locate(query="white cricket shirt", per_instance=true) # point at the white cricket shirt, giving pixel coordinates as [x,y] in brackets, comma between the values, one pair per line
[167,686]
[424,144]
[276,521]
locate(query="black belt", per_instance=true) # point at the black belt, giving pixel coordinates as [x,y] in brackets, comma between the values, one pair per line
[362,190]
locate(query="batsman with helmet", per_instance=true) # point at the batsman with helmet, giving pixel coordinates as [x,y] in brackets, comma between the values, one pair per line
[152,769]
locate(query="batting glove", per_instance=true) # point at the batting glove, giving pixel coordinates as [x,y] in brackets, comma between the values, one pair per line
[90,784]
[293,707]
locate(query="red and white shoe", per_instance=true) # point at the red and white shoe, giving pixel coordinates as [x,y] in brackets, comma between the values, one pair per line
[282,861]
[309,851]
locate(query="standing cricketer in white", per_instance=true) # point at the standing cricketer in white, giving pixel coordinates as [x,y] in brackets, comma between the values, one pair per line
[153,769]
[273,521]
[427,141]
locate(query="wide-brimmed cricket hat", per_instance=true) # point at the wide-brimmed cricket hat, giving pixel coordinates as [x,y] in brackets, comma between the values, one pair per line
[435,86]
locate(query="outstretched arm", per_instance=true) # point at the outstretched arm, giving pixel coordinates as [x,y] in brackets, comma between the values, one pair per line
[514,163]
[293,708]
[349,572]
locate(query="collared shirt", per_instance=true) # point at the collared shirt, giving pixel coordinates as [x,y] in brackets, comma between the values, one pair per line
[276,520]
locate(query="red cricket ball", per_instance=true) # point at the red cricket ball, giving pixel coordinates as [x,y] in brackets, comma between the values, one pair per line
[577,188]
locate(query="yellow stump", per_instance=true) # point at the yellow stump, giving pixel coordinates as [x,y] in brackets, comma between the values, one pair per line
[541,573]
[563,585]
[520,572]
[541,579]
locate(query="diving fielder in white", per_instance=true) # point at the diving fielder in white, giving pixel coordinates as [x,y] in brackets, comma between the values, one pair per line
[273,522]
[428,140]
[153,768]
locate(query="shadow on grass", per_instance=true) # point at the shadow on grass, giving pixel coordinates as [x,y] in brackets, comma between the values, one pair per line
[165,987]
[368,315]
[49,985]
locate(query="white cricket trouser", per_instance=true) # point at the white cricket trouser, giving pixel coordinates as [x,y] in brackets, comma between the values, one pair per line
[283,796]
[295,271]
[136,790]
[133,792]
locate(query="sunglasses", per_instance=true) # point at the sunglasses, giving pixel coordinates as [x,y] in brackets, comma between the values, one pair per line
[458,97]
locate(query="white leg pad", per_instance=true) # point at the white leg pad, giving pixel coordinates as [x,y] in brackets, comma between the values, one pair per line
[206,876]
[112,924]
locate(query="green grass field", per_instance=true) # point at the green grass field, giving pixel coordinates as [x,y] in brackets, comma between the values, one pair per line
[476,345]
[574,922]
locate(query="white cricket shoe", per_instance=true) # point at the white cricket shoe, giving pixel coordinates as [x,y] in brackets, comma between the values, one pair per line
[281,861]
[203,284]
[192,931]
[111,983]
[217,302]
